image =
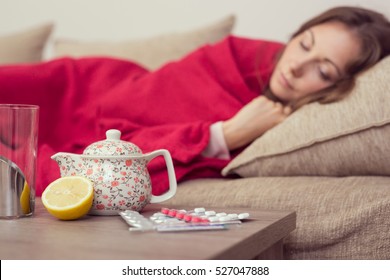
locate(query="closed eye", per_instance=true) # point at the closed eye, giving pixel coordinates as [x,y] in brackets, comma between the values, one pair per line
[307,41]
[324,76]
[304,46]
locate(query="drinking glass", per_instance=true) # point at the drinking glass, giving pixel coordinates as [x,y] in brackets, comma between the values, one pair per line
[18,156]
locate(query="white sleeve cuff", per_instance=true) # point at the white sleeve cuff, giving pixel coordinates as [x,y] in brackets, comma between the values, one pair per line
[217,147]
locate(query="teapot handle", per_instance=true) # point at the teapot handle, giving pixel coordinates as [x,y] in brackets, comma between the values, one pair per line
[171,175]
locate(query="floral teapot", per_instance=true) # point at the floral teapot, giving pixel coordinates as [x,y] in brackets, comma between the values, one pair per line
[118,171]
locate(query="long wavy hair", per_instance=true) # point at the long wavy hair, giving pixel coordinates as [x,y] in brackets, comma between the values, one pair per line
[373,31]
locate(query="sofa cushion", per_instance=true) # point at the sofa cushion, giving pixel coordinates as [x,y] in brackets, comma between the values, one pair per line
[150,52]
[337,218]
[350,137]
[25,46]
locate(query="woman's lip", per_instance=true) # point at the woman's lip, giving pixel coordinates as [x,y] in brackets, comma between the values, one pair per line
[285,83]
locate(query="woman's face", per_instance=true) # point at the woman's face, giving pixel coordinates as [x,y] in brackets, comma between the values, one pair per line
[314,60]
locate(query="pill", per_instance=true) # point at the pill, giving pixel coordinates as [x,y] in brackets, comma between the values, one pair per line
[233,216]
[199,210]
[221,214]
[172,221]
[187,218]
[196,219]
[213,219]
[209,213]
[224,219]
[243,216]
[172,213]
[165,211]
[180,215]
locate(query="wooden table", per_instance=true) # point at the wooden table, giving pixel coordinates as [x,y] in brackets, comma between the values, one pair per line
[107,237]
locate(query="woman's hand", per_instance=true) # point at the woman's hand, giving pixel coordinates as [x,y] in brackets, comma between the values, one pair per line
[253,120]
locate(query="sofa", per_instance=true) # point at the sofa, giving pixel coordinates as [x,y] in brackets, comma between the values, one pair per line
[328,163]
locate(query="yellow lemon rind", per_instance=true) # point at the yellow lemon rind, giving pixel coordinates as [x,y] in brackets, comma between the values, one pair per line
[71,212]
[75,213]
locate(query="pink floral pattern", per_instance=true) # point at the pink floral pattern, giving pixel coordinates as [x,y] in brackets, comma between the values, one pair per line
[117,186]
[110,147]
[120,183]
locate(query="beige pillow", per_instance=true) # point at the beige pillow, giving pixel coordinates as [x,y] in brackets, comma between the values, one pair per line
[25,46]
[151,52]
[351,137]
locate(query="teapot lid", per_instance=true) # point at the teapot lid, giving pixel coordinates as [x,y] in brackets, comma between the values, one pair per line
[112,146]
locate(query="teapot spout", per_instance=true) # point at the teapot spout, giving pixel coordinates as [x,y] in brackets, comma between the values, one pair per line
[67,163]
[61,156]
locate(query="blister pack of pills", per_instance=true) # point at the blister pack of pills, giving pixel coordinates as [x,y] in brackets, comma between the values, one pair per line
[168,220]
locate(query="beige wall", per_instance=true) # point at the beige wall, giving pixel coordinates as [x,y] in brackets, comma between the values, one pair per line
[127,19]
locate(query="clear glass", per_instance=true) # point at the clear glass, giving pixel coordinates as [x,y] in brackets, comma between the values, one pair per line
[18,156]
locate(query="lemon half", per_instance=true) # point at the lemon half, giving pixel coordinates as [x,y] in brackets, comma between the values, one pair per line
[25,199]
[68,198]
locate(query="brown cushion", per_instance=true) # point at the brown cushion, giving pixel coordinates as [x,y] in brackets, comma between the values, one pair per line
[24,46]
[350,137]
[151,52]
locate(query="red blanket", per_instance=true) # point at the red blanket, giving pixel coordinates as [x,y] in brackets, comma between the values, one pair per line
[171,108]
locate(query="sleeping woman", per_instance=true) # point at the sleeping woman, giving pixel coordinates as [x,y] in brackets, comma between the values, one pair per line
[204,108]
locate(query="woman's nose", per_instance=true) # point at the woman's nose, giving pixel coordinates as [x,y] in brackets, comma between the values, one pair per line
[296,68]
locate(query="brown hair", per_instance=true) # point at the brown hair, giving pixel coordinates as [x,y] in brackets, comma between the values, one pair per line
[373,31]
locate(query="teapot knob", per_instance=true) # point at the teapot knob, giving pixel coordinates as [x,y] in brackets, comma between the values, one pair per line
[113,134]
